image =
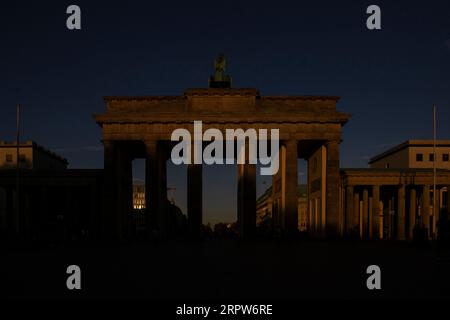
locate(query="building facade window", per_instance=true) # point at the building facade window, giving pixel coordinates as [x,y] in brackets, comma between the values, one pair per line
[22,158]
[445,157]
[419,157]
[431,157]
[9,158]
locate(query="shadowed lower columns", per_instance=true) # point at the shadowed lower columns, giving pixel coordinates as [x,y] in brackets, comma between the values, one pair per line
[412,212]
[291,187]
[124,192]
[163,208]
[151,185]
[333,180]
[246,199]
[375,212]
[194,199]
[436,212]
[365,214]
[425,214]
[448,200]
[356,215]
[155,189]
[349,214]
[401,221]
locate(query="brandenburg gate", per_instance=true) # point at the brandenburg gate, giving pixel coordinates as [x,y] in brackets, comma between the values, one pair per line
[141,127]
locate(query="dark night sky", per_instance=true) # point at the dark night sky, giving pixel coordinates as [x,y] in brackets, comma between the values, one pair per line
[387,79]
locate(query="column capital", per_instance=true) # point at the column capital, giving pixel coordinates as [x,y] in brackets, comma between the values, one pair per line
[150,142]
[150,149]
[333,141]
[290,142]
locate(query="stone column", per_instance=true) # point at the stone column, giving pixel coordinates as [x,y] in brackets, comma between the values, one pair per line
[110,219]
[448,201]
[412,212]
[426,208]
[128,186]
[194,197]
[401,213]
[120,192]
[156,188]
[436,212]
[163,215]
[349,211]
[291,187]
[357,222]
[118,206]
[151,187]
[365,214]
[382,214]
[388,218]
[375,212]
[246,200]
[332,181]
[123,189]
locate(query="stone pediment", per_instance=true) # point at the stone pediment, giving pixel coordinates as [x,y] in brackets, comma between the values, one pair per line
[222,105]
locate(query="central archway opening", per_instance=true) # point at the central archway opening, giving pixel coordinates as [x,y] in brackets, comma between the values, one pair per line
[220,199]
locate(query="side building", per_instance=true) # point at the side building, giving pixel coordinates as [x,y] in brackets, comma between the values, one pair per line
[414,154]
[31,156]
[45,201]
[392,199]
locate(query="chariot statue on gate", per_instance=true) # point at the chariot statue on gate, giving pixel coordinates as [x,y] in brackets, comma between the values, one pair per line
[220,79]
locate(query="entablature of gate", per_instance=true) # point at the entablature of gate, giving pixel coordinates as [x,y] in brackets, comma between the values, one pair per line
[232,105]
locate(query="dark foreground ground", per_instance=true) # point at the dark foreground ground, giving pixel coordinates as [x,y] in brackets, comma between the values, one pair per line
[228,269]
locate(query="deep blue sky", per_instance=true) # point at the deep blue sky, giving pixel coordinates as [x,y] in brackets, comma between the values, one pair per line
[387,79]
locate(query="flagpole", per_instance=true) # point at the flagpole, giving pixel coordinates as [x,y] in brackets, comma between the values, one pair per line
[435,214]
